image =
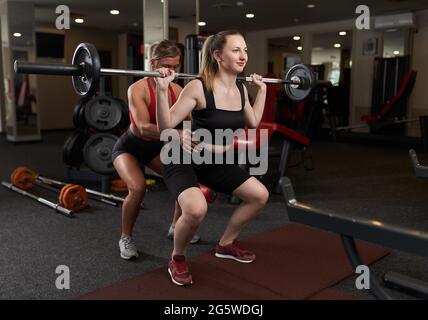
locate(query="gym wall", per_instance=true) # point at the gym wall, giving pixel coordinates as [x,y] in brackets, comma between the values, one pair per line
[418,103]
[362,66]
[257,42]
[276,55]
[362,75]
[55,95]
[184,28]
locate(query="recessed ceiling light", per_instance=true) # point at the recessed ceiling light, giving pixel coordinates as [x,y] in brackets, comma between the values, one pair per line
[250,15]
[79,20]
[202,23]
[342,33]
[337,45]
[396,52]
[296,20]
[17,34]
[135,24]
[310,6]
[239,3]
[114,12]
[296,38]
[300,48]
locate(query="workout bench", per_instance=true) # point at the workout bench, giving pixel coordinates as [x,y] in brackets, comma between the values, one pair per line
[350,228]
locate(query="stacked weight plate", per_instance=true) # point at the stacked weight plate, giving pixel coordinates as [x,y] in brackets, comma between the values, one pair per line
[98,121]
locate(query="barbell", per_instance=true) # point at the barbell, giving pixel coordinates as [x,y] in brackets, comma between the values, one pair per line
[24,178]
[57,207]
[86,70]
[71,197]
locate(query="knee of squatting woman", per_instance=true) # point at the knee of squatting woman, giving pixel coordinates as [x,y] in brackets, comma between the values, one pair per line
[216,101]
[140,145]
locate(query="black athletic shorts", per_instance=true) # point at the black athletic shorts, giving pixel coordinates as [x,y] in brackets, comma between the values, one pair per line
[224,178]
[145,151]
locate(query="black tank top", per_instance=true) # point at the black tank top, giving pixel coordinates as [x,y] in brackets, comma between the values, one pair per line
[212,118]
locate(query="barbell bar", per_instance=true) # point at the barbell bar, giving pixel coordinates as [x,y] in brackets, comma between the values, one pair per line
[55,206]
[86,69]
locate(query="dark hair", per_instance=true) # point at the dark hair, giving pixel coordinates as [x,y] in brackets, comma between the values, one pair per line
[164,49]
[209,66]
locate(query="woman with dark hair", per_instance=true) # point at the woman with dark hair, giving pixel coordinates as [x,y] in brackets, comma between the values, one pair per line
[216,101]
[140,145]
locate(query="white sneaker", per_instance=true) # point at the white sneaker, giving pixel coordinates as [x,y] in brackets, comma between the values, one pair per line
[128,249]
[196,238]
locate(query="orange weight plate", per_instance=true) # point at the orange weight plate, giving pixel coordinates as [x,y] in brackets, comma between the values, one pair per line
[23,178]
[73,197]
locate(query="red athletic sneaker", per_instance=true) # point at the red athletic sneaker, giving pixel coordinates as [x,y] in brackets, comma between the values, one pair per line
[179,271]
[233,251]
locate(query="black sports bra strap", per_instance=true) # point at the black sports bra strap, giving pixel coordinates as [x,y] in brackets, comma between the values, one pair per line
[241,91]
[209,96]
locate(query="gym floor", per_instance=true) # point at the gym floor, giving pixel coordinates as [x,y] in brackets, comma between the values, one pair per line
[372,181]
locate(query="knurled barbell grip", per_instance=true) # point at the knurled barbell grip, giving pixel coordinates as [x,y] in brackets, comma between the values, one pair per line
[48,68]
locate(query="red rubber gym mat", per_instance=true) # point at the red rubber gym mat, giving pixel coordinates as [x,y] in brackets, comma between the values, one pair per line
[296,261]
[293,262]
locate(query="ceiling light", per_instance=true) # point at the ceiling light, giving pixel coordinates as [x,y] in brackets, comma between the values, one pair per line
[250,15]
[396,52]
[296,20]
[297,38]
[79,20]
[310,6]
[114,12]
[300,48]
[239,3]
[202,23]
[17,34]
[337,45]
[135,24]
[342,33]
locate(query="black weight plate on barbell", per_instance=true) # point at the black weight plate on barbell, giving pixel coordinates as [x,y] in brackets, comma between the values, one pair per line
[72,153]
[103,113]
[308,81]
[97,153]
[87,56]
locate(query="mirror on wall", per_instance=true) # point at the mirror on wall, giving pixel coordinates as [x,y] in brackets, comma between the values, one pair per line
[284,52]
[331,55]
[20,105]
[396,42]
